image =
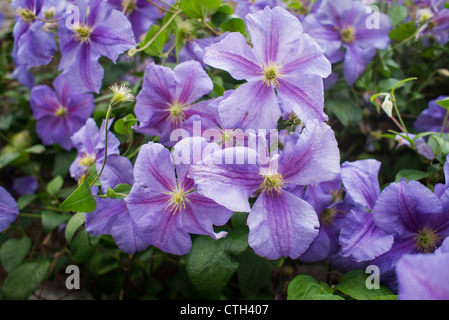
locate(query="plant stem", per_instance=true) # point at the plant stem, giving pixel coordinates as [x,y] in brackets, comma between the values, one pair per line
[106,128]
[132,52]
[444,123]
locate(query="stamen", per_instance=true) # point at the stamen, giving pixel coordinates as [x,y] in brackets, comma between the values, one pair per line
[348,35]
[82,33]
[271,75]
[61,111]
[87,160]
[427,240]
[274,182]
[177,201]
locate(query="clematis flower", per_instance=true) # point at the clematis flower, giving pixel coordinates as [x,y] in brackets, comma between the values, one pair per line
[8,209]
[101,32]
[168,98]
[421,145]
[140,13]
[432,118]
[360,238]
[343,29]
[280,223]
[25,185]
[435,24]
[284,71]
[112,217]
[34,45]
[89,141]
[440,188]
[424,276]
[164,204]
[60,112]
[195,49]
[243,7]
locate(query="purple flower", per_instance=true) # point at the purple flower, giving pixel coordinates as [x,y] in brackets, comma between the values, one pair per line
[243,7]
[436,25]
[441,188]
[140,13]
[25,185]
[168,98]
[325,199]
[280,223]
[284,70]
[101,32]
[60,112]
[423,276]
[360,238]
[112,217]
[195,49]
[89,141]
[432,118]
[346,24]
[164,203]
[33,44]
[8,209]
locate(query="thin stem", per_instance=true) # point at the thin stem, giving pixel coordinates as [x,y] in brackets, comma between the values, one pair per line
[108,114]
[168,53]
[132,52]
[444,123]
[160,7]
[395,106]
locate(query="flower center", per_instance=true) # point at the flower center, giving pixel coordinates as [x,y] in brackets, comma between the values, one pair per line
[427,240]
[177,200]
[50,13]
[271,75]
[26,14]
[327,216]
[274,181]
[82,33]
[176,112]
[348,35]
[61,111]
[87,160]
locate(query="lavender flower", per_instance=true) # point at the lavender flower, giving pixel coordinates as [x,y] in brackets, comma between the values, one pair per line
[244,7]
[424,276]
[280,223]
[432,118]
[60,112]
[168,98]
[8,209]
[344,24]
[284,70]
[25,185]
[33,44]
[164,204]
[140,13]
[101,32]
[89,141]
[360,238]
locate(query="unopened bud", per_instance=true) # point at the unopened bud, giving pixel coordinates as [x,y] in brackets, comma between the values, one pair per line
[387,106]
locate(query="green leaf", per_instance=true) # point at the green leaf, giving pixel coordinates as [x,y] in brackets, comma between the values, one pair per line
[253,273]
[24,279]
[83,246]
[305,287]
[51,220]
[211,263]
[387,297]
[353,284]
[157,46]
[439,144]
[7,158]
[124,125]
[55,185]
[199,9]
[327,297]
[411,174]
[403,31]
[111,193]
[122,188]
[76,221]
[344,109]
[397,14]
[80,200]
[38,148]
[25,200]
[13,251]
[444,103]
[234,25]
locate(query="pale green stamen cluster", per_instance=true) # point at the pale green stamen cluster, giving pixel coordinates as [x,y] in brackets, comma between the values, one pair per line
[177,200]
[427,240]
[128,6]
[61,111]
[121,95]
[348,35]
[82,33]
[86,160]
[271,75]
[176,112]
[273,182]
[26,14]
